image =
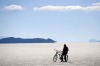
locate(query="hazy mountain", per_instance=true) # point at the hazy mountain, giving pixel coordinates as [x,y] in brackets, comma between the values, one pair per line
[94,40]
[21,40]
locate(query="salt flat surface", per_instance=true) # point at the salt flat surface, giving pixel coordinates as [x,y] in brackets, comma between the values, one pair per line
[80,54]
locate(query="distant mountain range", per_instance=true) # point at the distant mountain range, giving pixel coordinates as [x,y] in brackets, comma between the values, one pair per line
[93,40]
[21,40]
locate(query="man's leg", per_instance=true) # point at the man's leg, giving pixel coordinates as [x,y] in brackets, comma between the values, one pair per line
[65,58]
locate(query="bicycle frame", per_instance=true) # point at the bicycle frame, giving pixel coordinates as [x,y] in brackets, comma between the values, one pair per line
[59,53]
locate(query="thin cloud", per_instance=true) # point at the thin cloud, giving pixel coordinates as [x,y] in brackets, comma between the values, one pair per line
[93,7]
[13,7]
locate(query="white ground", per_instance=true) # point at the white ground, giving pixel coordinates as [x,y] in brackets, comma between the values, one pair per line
[80,54]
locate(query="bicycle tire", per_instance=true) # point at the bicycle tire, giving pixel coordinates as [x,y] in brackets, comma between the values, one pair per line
[55,58]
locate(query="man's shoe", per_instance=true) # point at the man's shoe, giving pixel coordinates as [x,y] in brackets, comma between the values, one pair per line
[65,61]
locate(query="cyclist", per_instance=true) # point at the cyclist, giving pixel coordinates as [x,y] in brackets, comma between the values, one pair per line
[64,53]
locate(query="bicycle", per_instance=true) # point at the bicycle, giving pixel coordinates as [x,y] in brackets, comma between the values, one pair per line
[58,54]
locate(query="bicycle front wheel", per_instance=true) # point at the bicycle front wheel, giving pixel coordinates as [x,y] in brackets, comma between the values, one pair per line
[55,58]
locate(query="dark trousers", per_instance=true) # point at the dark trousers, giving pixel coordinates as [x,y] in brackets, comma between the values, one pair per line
[63,58]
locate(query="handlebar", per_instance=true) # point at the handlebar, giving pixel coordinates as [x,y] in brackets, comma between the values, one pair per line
[57,51]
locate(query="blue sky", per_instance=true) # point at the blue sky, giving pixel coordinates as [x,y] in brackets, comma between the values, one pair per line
[61,20]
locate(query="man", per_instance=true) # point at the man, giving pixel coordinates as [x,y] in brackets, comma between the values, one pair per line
[64,53]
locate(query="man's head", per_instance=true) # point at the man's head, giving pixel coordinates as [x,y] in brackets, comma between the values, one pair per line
[64,45]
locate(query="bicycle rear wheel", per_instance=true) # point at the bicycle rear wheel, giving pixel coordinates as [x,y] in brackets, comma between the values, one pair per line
[55,58]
